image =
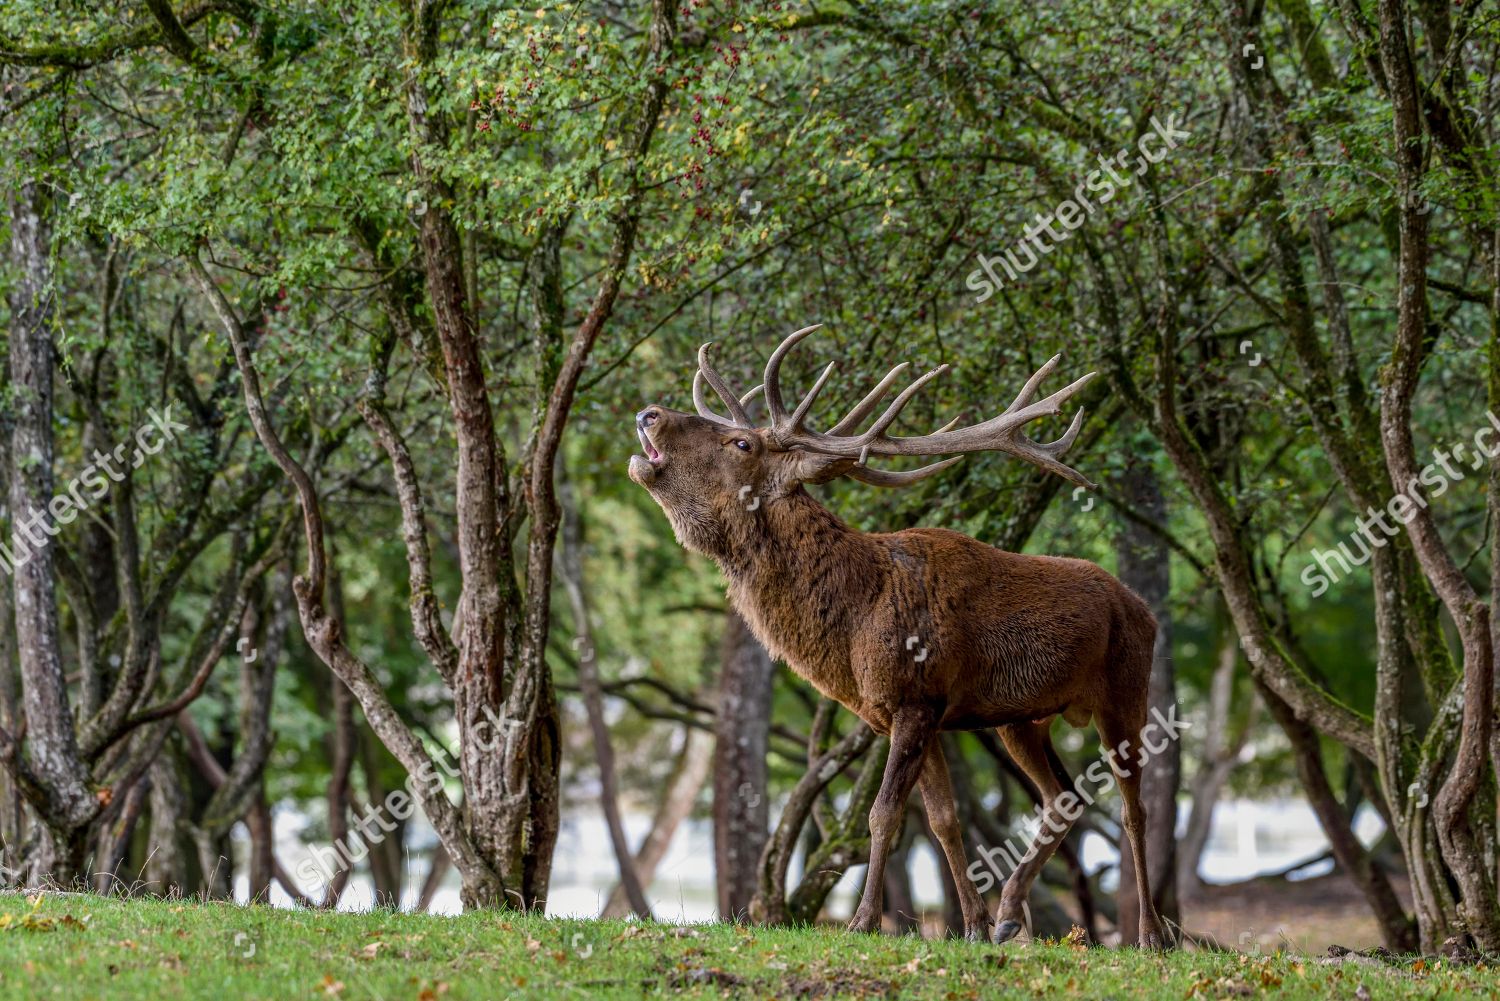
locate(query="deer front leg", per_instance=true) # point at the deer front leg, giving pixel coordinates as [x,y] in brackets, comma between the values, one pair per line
[1029,746]
[942,814]
[912,731]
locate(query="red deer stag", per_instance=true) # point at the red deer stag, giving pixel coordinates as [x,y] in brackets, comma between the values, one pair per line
[1006,640]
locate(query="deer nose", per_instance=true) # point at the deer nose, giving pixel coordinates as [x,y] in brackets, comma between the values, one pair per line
[647,417]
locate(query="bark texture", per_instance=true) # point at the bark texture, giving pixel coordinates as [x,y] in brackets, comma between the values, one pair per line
[741,740]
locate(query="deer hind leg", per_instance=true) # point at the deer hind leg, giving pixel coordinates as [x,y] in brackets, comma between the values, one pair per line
[912,731]
[942,814]
[1120,727]
[1031,749]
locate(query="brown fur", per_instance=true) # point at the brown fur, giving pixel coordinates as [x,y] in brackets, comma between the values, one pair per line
[914,631]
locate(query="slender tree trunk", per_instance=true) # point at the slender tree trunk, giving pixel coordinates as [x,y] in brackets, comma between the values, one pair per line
[112,857]
[770,904]
[442,862]
[689,773]
[166,861]
[62,797]
[571,569]
[343,740]
[213,773]
[1395,927]
[384,846]
[262,868]
[11,813]
[742,737]
[1463,807]
[845,843]
[1220,752]
[1145,567]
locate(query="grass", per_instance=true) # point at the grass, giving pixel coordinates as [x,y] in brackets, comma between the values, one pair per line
[80,947]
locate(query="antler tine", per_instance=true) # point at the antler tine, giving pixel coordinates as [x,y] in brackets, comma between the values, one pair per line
[870,402]
[700,402]
[731,399]
[1044,407]
[894,478]
[877,430]
[1064,443]
[774,407]
[1029,390]
[800,413]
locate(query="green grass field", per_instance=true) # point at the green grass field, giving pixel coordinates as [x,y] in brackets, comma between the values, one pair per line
[80,947]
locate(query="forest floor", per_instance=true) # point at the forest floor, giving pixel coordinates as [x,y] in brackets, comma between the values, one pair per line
[81,947]
[1305,916]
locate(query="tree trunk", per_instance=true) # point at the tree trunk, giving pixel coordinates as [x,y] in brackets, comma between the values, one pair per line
[1395,927]
[571,569]
[1220,752]
[59,784]
[166,862]
[741,739]
[845,843]
[1463,807]
[436,871]
[1145,567]
[112,857]
[690,771]
[11,812]
[343,741]
[262,868]
[384,848]
[770,904]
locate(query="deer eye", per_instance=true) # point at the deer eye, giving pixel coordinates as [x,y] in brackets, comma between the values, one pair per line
[742,444]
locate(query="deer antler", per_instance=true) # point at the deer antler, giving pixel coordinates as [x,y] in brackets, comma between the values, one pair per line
[1001,433]
[706,373]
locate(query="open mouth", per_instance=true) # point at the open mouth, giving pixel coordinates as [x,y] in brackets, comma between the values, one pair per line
[651,450]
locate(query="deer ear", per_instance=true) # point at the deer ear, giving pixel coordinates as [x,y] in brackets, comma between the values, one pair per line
[811,467]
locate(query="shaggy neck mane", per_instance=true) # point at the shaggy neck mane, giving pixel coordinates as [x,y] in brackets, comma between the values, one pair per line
[787,541]
[803,580]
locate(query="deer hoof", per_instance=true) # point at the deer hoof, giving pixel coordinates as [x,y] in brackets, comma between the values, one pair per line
[1006,930]
[863,926]
[978,933]
[1152,940]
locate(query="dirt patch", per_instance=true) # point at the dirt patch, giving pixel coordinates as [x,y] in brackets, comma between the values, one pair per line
[1306,916]
[836,983]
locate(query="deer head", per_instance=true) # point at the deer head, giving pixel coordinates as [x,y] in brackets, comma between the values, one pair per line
[707,470]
